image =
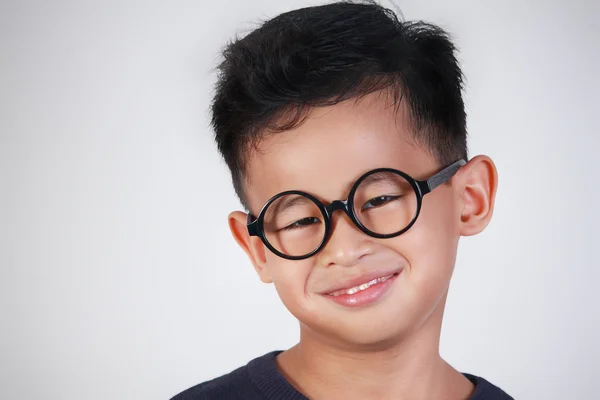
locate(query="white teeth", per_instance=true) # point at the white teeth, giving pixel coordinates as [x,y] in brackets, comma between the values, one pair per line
[359,288]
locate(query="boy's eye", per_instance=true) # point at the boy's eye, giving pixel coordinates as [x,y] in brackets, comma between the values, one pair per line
[379,201]
[302,223]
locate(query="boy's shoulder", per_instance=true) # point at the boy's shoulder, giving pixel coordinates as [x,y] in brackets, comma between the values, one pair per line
[234,385]
[485,390]
[230,386]
[238,384]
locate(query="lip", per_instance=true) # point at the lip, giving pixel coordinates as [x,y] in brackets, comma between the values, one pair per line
[359,280]
[366,296]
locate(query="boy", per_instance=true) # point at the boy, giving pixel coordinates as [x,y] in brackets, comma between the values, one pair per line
[344,130]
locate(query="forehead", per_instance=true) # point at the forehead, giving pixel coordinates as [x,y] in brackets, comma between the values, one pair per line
[333,147]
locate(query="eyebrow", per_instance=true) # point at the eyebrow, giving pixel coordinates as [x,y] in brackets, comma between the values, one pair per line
[372,178]
[288,203]
[375,178]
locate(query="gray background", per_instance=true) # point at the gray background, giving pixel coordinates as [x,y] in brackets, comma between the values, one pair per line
[118,275]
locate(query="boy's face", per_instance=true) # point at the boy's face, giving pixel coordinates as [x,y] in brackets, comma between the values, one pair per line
[323,157]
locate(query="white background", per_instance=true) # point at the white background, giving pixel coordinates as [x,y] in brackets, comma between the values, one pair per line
[118,276]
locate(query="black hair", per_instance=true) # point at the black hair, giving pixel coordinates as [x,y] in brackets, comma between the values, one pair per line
[319,56]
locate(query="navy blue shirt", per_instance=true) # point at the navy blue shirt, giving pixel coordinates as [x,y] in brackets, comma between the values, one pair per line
[261,380]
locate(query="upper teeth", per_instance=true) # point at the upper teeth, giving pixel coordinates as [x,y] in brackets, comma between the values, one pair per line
[358,288]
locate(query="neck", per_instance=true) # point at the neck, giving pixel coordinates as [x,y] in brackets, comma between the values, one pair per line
[409,368]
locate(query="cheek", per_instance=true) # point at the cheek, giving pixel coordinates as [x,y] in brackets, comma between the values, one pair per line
[431,244]
[289,278]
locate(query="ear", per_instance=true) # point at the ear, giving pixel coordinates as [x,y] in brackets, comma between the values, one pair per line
[479,183]
[252,245]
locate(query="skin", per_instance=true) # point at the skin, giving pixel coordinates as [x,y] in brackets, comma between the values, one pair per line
[388,349]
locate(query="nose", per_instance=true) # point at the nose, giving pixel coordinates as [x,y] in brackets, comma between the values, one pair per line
[346,245]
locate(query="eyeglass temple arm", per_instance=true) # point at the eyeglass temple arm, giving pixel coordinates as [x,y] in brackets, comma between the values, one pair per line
[251,223]
[441,177]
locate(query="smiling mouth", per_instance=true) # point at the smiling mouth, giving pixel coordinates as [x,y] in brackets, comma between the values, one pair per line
[360,288]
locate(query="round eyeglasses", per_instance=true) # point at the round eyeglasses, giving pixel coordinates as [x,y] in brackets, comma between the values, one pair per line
[383,203]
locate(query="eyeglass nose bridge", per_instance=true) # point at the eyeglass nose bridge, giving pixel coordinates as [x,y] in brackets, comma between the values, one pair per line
[337,205]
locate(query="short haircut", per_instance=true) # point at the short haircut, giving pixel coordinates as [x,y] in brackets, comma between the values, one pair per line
[320,56]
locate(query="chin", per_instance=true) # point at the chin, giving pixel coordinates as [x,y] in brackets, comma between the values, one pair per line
[368,332]
[370,335]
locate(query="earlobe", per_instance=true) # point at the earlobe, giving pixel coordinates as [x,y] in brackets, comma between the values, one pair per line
[479,184]
[252,245]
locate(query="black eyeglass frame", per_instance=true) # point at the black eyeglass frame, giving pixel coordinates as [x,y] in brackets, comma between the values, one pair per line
[421,188]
